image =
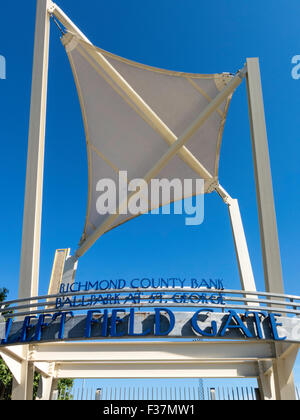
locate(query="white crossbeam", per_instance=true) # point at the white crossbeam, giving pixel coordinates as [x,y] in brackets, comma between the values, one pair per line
[157,370]
[148,352]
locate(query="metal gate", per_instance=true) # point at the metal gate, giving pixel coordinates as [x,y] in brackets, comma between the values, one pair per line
[162,393]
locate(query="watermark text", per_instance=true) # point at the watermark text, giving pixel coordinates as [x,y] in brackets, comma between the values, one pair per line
[296,67]
[139,197]
[2,67]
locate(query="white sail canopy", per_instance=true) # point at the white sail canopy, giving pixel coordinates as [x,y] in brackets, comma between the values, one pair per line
[133,113]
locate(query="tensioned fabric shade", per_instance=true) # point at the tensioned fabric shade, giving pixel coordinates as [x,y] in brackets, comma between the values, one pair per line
[132,113]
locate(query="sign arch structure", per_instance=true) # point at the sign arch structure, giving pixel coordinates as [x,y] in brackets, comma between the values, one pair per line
[70,333]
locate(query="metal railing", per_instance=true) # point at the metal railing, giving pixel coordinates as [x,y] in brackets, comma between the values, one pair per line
[190,298]
[163,393]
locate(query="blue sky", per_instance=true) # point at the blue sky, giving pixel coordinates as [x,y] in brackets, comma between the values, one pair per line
[191,36]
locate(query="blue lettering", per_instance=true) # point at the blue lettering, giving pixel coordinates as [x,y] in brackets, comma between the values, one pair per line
[58,303]
[196,327]
[173,281]
[64,288]
[72,287]
[204,298]
[131,326]
[121,284]
[194,298]
[104,284]
[63,316]
[221,299]
[26,326]
[7,330]
[214,299]
[195,283]
[132,298]
[164,283]
[239,324]
[77,301]
[274,326]
[257,321]
[220,284]
[83,286]
[40,325]
[115,320]
[157,330]
[145,283]
[93,286]
[132,285]
[155,297]
[155,285]
[105,323]
[177,298]
[204,284]
[90,321]
[67,301]
[113,285]
[181,282]
[212,284]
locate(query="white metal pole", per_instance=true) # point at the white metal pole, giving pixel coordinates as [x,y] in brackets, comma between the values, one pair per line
[263,180]
[243,258]
[30,254]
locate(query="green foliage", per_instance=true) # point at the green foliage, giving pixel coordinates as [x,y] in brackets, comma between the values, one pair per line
[3,294]
[65,388]
[5,381]
[5,374]
[36,380]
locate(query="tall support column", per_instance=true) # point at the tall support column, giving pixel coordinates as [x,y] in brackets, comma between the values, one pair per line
[282,367]
[45,388]
[241,248]
[283,371]
[266,381]
[276,381]
[30,254]
[263,180]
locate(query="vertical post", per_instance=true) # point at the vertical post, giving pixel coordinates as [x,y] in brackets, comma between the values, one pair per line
[30,254]
[57,270]
[212,392]
[263,180]
[45,388]
[22,388]
[241,248]
[98,394]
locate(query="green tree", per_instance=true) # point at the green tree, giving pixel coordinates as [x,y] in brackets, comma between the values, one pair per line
[3,294]
[5,381]
[5,374]
[65,387]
